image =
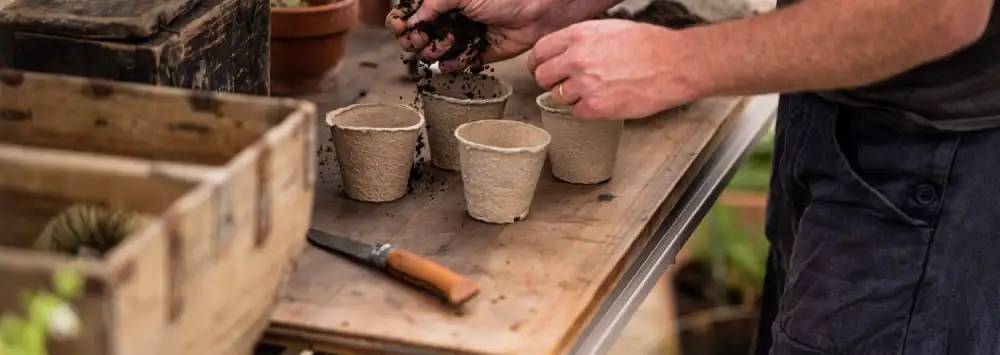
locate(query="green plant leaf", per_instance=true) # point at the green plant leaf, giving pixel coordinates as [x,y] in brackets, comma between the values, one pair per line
[27,335]
[68,283]
[735,254]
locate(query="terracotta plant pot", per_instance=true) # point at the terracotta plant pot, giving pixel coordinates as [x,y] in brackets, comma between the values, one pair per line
[582,152]
[307,42]
[456,100]
[375,145]
[373,12]
[501,163]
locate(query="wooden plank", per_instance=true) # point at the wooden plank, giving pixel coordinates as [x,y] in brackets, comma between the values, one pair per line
[100,117]
[94,19]
[217,45]
[538,277]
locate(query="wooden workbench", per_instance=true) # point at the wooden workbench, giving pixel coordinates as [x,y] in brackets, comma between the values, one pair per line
[542,279]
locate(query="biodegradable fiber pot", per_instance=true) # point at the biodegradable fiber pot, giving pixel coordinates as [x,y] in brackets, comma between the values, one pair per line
[452,100]
[501,162]
[309,41]
[582,152]
[375,145]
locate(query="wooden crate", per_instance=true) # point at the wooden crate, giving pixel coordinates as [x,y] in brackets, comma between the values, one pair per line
[217,45]
[231,179]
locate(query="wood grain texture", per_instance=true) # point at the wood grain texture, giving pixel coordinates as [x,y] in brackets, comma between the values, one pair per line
[202,278]
[539,278]
[217,45]
[120,19]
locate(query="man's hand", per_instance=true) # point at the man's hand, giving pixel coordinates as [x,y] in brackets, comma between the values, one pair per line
[616,69]
[513,25]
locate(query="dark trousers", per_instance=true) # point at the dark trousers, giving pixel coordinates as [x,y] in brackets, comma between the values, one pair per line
[883,242]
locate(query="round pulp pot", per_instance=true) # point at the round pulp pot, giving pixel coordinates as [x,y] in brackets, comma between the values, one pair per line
[375,145]
[501,162]
[582,152]
[456,100]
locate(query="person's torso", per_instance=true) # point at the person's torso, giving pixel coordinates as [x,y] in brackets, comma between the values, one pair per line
[956,93]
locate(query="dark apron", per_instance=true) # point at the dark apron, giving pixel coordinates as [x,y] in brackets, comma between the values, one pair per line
[883,242]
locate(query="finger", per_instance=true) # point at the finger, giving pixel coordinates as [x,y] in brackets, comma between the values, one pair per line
[413,41]
[597,107]
[567,92]
[406,43]
[465,60]
[589,109]
[395,22]
[437,48]
[552,72]
[430,9]
[420,39]
[549,47]
[452,66]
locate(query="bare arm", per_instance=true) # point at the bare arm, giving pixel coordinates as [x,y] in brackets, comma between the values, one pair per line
[821,44]
[514,25]
[612,69]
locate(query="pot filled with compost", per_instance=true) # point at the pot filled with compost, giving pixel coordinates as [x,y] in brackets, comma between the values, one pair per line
[375,145]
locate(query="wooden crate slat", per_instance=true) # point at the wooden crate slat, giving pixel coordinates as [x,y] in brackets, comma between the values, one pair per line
[198,281]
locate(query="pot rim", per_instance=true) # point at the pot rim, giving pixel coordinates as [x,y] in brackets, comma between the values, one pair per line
[565,110]
[334,6]
[505,87]
[533,149]
[414,127]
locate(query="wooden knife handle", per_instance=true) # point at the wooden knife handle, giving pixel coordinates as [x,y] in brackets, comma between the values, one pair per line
[451,286]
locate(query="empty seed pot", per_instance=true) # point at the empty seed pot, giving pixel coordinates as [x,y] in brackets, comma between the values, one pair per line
[582,152]
[452,100]
[375,144]
[501,162]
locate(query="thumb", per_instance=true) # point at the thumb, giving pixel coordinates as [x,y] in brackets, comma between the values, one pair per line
[430,9]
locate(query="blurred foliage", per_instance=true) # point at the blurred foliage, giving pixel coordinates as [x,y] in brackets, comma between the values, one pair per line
[734,254]
[47,314]
[755,173]
[735,251]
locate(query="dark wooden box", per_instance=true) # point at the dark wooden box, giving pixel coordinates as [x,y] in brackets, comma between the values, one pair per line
[218,45]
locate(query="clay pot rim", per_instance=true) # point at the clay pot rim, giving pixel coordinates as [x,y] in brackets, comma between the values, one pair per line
[505,87]
[533,149]
[565,110]
[414,127]
[334,6]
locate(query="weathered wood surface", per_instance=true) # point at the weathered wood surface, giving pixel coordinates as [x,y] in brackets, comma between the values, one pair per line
[229,178]
[540,277]
[217,45]
[119,19]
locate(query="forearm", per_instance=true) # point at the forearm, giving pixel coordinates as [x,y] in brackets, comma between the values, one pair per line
[822,44]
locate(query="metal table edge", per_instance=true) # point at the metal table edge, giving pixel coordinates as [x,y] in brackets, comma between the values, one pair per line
[652,260]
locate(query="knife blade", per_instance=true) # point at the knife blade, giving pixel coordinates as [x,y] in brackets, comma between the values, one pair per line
[447,284]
